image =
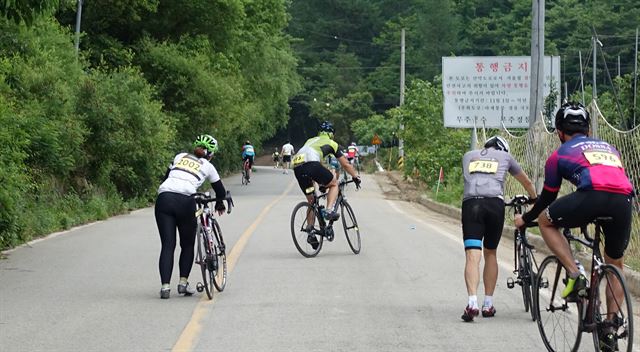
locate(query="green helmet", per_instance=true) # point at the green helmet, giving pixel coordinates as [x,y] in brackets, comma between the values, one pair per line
[207,142]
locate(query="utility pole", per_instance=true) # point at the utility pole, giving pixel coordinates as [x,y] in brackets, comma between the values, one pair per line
[594,120]
[581,76]
[78,19]
[400,140]
[618,65]
[537,61]
[635,80]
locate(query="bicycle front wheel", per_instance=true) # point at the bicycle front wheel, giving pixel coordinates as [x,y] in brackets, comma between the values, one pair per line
[350,226]
[558,320]
[305,230]
[219,258]
[613,313]
[526,278]
[202,260]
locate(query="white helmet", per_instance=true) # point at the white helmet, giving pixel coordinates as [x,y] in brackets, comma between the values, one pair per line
[497,142]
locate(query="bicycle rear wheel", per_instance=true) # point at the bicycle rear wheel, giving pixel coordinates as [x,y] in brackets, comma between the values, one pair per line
[613,316]
[305,230]
[219,258]
[201,259]
[350,226]
[558,320]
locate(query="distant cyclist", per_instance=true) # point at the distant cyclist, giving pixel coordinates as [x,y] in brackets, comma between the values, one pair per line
[603,190]
[352,153]
[308,169]
[175,207]
[287,152]
[485,171]
[248,153]
[276,158]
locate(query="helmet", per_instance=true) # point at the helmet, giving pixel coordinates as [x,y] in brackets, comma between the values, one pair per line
[497,142]
[353,144]
[572,114]
[207,142]
[247,142]
[327,127]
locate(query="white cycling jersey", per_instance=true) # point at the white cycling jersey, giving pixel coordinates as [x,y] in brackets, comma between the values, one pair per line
[187,174]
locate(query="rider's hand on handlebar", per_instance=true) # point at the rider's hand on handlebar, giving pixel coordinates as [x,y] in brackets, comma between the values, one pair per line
[532,200]
[518,221]
[220,208]
[357,181]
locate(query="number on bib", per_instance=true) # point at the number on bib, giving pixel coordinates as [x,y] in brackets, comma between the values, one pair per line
[483,166]
[188,165]
[602,158]
[299,159]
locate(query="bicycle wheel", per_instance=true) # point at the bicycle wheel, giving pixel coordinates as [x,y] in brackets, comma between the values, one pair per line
[558,320]
[219,258]
[201,259]
[305,230]
[350,226]
[525,274]
[613,316]
[244,177]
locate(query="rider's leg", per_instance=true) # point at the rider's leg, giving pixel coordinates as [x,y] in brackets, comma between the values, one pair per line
[310,215]
[472,273]
[557,243]
[490,273]
[615,294]
[332,187]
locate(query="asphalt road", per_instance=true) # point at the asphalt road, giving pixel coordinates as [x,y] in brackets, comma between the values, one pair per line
[95,288]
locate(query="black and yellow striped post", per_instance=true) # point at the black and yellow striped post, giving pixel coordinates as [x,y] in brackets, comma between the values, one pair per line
[400,162]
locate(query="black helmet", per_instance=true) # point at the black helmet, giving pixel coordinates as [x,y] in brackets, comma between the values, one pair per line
[497,142]
[327,127]
[572,114]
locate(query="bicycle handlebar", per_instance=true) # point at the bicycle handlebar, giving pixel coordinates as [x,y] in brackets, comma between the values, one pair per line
[205,198]
[519,200]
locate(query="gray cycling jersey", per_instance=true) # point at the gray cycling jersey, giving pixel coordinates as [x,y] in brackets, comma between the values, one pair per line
[485,171]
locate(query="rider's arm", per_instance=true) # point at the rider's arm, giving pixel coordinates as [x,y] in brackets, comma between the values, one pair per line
[218,187]
[526,183]
[346,165]
[544,200]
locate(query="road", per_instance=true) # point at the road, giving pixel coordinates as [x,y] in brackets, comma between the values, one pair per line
[95,288]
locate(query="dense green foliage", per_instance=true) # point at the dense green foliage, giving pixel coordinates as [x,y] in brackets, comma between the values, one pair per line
[86,137]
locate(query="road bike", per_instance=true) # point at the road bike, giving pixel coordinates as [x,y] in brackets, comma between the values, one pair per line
[245,172]
[309,228]
[211,251]
[596,310]
[525,265]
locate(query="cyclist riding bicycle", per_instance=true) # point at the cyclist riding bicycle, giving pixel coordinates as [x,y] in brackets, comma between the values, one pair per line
[175,207]
[603,190]
[485,171]
[308,169]
[352,152]
[248,153]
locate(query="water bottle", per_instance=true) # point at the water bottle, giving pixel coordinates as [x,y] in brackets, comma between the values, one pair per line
[323,211]
[581,268]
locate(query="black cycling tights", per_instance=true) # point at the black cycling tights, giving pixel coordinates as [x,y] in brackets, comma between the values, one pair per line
[175,210]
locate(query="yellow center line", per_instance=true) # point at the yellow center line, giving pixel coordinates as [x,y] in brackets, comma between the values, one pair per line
[188,338]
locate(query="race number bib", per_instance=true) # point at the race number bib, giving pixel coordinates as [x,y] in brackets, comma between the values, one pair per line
[602,158]
[299,159]
[188,165]
[483,166]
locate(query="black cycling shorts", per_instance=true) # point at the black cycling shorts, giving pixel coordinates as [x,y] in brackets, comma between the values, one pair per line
[250,158]
[482,218]
[309,172]
[286,158]
[581,207]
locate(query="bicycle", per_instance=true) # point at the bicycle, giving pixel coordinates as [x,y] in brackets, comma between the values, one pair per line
[560,321]
[245,172]
[525,265]
[211,253]
[309,234]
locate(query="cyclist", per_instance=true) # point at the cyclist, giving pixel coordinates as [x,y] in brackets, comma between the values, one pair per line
[603,189]
[276,158]
[287,152]
[175,207]
[485,171]
[352,153]
[248,153]
[308,169]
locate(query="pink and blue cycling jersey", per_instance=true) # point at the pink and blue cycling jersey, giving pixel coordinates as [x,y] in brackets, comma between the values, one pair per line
[589,164]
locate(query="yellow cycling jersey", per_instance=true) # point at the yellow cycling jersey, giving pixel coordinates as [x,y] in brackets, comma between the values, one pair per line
[316,149]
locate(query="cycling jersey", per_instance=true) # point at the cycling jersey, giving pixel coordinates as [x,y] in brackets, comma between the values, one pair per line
[316,149]
[287,149]
[589,164]
[187,173]
[247,150]
[352,151]
[484,172]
